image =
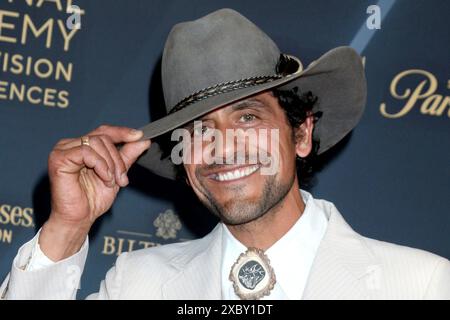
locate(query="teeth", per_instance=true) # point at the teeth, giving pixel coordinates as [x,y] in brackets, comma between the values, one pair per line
[235,174]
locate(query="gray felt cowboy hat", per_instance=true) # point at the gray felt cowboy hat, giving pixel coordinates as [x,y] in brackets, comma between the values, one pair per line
[223,57]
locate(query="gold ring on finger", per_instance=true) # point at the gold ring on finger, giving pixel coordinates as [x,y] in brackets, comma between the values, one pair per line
[85,141]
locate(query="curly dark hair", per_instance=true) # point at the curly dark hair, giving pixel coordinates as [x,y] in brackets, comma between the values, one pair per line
[297,107]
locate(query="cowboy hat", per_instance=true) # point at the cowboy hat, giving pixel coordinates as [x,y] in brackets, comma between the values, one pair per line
[223,57]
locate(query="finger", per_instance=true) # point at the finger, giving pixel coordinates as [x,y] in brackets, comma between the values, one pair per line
[97,143]
[120,168]
[68,143]
[118,134]
[132,150]
[64,141]
[79,157]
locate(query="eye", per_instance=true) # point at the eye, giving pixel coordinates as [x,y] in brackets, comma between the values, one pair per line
[247,117]
[201,131]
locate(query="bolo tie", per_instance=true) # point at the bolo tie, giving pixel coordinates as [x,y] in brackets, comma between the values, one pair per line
[252,275]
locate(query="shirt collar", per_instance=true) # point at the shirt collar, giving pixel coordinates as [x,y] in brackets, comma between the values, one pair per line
[291,257]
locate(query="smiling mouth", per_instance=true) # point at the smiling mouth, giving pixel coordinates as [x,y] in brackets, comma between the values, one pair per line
[235,174]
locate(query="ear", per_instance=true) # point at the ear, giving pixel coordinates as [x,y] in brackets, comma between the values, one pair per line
[303,137]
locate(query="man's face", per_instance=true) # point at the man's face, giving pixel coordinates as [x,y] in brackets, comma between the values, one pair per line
[239,193]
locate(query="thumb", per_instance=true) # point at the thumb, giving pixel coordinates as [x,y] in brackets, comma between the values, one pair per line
[132,150]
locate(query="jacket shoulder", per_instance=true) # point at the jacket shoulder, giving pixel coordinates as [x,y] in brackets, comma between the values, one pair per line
[141,274]
[174,252]
[161,253]
[395,252]
[416,271]
[390,271]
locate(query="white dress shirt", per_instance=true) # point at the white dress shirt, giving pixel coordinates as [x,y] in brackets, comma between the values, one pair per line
[38,259]
[291,257]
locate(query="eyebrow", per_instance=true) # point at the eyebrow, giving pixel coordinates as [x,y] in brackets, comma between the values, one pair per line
[240,105]
[249,103]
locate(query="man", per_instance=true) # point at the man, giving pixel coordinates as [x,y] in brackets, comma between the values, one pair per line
[274,241]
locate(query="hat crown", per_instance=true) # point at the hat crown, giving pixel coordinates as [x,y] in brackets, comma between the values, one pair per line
[220,47]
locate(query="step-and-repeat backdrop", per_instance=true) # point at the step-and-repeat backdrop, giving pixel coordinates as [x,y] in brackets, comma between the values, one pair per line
[64,73]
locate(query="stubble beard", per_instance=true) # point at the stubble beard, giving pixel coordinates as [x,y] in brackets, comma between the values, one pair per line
[241,210]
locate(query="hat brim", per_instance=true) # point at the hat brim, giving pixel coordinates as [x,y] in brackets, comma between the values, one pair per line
[336,78]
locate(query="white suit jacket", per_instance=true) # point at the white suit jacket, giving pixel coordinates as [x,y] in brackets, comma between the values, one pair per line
[347,266]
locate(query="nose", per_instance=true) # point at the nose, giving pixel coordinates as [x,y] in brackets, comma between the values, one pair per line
[220,146]
[234,146]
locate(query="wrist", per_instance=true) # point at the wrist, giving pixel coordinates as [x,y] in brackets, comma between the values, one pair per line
[59,240]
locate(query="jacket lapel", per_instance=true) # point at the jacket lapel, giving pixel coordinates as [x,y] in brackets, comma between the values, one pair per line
[344,265]
[197,270]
